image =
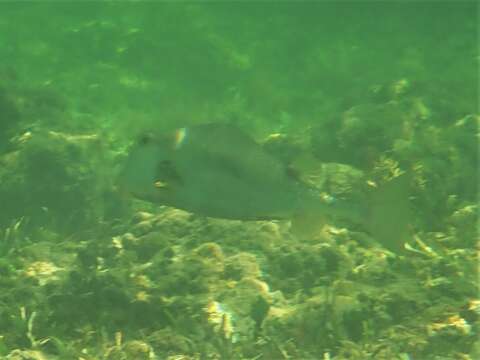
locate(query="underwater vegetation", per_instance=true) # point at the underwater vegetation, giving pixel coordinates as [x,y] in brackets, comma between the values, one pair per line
[89,273]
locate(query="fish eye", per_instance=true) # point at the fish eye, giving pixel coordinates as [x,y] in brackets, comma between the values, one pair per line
[145,139]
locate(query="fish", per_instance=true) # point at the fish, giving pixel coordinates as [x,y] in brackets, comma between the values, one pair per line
[217,170]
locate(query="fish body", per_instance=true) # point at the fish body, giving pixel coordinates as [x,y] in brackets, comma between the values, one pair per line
[217,170]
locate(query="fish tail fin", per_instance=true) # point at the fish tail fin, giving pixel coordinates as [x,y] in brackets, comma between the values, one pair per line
[389,216]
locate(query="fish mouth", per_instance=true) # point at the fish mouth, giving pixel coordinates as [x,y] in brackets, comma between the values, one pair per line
[160,185]
[167,174]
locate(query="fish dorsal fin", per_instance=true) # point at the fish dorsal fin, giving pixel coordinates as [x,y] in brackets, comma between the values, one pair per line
[389,217]
[300,164]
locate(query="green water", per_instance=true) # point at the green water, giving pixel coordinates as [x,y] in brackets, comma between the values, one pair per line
[370,89]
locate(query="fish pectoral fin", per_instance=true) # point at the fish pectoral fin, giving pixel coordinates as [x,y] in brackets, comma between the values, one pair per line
[308,226]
